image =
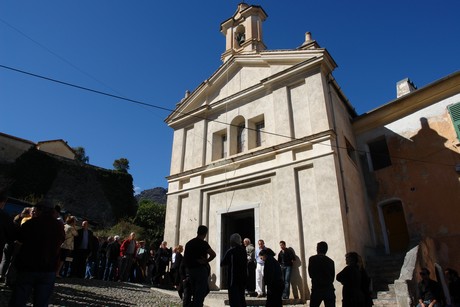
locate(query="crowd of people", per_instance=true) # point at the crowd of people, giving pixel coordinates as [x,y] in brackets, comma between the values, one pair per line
[258,272]
[39,247]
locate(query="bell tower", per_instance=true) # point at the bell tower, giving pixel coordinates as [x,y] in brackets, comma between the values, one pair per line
[243,31]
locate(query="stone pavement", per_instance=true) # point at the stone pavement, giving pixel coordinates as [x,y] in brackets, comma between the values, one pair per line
[73,292]
[70,292]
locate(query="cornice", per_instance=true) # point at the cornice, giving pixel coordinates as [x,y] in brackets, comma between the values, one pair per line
[251,157]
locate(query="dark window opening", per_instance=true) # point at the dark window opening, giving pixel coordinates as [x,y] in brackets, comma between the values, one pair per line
[380,156]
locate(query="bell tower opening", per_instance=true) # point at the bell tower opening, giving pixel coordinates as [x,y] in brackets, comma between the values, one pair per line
[240,35]
[243,31]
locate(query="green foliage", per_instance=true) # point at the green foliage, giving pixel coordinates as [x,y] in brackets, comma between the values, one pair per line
[118,189]
[80,154]
[121,165]
[123,229]
[33,174]
[151,216]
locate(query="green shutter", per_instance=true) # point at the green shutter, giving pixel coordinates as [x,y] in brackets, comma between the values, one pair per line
[454,111]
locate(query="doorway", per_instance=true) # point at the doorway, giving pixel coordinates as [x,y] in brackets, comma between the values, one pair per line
[241,222]
[395,227]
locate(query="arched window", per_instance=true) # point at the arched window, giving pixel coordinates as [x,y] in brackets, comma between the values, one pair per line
[240,35]
[240,139]
[238,135]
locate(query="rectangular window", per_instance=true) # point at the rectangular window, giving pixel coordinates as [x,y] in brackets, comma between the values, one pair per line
[350,151]
[260,136]
[219,145]
[380,155]
[454,111]
[256,132]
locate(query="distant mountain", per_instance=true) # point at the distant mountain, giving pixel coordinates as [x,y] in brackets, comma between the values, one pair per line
[157,195]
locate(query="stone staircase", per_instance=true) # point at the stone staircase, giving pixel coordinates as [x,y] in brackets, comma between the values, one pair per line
[384,270]
[386,298]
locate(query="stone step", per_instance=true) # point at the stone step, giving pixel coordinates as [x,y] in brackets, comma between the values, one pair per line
[386,298]
[253,302]
[385,295]
[383,270]
[385,304]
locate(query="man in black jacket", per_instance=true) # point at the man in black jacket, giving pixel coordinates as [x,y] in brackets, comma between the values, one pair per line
[112,259]
[235,260]
[322,273]
[83,249]
[286,259]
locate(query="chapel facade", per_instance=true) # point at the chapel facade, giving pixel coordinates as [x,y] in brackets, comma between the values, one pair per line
[269,147]
[260,148]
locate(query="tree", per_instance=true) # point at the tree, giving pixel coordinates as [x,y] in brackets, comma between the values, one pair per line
[121,165]
[80,154]
[151,217]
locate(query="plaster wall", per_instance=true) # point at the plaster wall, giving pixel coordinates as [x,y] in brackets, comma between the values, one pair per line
[11,149]
[409,126]
[424,152]
[356,213]
[177,151]
[296,202]
[235,81]
[57,148]
[316,97]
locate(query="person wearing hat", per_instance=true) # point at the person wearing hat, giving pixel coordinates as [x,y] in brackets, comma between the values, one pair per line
[39,242]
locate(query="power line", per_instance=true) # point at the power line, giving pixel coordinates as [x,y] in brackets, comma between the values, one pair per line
[138,102]
[57,55]
[85,88]
[145,104]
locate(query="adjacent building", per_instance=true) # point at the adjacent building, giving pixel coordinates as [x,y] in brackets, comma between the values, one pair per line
[410,153]
[11,147]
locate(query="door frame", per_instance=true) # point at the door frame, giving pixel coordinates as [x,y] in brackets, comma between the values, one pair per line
[380,206]
[220,252]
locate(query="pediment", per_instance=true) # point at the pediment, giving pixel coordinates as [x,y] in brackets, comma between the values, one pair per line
[239,74]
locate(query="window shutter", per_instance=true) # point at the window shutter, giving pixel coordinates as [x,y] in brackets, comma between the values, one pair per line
[454,111]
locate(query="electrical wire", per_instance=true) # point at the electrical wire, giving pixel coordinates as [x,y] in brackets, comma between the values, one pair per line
[145,104]
[57,55]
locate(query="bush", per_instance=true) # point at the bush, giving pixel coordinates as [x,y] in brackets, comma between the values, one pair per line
[123,229]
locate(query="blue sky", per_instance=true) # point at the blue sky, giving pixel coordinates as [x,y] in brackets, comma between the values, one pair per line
[153,51]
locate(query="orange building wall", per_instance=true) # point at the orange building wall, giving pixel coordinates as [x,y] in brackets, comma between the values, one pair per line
[424,178]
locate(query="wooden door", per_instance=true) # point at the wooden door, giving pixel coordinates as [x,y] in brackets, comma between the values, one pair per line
[396,227]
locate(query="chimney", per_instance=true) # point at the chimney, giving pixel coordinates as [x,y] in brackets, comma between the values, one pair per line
[309,42]
[404,87]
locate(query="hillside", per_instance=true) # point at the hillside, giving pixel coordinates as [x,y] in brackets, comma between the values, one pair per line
[157,195]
